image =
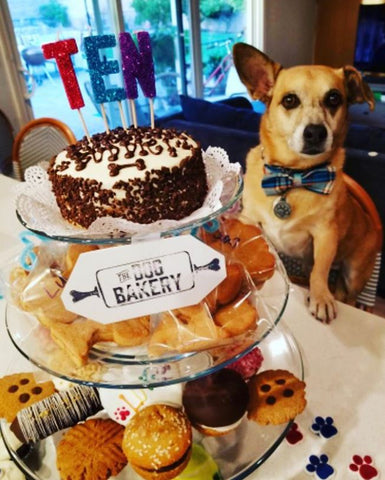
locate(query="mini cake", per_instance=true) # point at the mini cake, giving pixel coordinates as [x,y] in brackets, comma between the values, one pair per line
[140,174]
[215,404]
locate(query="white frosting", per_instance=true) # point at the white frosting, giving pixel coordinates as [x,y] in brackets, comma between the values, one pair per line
[97,170]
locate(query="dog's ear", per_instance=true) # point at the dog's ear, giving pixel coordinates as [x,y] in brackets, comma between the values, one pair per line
[357,90]
[256,70]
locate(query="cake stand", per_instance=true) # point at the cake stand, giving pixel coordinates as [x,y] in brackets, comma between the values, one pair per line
[237,454]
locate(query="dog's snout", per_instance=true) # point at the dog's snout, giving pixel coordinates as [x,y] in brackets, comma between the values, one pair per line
[314,136]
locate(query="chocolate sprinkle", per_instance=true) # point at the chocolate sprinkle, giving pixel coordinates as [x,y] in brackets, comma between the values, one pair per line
[167,193]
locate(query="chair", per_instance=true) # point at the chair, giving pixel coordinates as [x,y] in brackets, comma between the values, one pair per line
[6,142]
[36,63]
[367,298]
[38,141]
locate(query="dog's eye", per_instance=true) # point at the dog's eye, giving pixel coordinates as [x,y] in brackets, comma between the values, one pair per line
[333,99]
[290,101]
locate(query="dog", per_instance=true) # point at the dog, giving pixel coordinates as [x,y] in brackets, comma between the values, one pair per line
[293,184]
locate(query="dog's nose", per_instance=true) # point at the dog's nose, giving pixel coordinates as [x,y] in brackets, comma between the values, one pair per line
[314,137]
[314,134]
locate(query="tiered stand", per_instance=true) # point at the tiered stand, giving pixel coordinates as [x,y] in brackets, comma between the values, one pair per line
[238,453]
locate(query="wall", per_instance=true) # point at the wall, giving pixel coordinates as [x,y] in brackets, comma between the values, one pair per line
[290,31]
[336,32]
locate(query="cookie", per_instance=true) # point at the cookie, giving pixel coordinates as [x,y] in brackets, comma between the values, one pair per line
[228,289]
[41,296]
[184,330]
[72,255]
[20,390]
[276,396]
[76,339]
[91,451]
[236,318]
[243,242]
[158,442]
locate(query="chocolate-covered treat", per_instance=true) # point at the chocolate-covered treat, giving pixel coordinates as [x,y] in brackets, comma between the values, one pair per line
[56,412]
[215,404]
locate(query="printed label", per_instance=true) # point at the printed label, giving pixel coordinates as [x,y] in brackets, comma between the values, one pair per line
[118,283]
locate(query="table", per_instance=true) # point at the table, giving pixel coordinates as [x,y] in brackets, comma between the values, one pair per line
[341,432]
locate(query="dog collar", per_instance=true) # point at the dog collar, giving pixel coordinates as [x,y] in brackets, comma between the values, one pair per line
[278,180]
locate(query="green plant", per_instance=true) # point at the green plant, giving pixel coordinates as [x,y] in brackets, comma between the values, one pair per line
[54,14]
[157,12]
[219,8]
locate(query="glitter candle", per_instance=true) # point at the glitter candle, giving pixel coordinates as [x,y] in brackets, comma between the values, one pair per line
[61,51]
[98,68]
[137,65]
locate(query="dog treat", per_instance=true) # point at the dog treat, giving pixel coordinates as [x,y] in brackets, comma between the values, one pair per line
[72,255]
[20,390]
[183,330]
[236,318]
[56,412]
[215,404]
[91,450]
[276,396]
[228,289]
[158,442]
[78,337]
[249,364]
[244,243]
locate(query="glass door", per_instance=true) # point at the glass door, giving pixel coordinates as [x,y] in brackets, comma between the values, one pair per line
[191,44]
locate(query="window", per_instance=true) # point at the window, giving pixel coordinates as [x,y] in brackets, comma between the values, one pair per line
[191,45]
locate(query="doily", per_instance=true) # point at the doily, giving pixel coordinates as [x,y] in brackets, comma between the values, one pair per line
[38,211]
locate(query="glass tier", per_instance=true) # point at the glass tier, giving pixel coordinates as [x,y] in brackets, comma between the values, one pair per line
[120,233]
[121,367]
[237,454]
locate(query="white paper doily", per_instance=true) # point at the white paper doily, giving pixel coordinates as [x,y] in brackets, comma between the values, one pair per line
[38,211]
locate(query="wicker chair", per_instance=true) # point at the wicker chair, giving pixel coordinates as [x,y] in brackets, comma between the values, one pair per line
[39,140]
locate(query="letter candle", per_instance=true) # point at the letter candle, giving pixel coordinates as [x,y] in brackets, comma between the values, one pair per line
[98,68]
[61,51]
[138,65]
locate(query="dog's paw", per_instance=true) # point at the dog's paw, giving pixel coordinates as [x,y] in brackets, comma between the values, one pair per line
[323,306]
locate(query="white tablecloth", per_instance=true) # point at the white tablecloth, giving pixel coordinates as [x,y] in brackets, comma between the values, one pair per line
[341,433]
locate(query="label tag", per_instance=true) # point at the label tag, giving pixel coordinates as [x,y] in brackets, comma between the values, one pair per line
[119,283]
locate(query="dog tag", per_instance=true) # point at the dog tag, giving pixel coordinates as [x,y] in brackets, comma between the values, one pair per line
[281,208]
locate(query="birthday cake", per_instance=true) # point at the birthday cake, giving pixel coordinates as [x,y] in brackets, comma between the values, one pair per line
[140,174]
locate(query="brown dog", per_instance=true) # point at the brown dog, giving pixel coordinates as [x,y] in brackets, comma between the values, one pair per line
[303,128]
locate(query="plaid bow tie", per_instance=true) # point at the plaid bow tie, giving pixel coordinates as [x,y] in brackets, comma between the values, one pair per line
[278,180]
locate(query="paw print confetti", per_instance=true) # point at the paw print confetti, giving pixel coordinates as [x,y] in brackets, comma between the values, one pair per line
[363,466]
[122,414]
[294,435]
[324,427]
[320,466]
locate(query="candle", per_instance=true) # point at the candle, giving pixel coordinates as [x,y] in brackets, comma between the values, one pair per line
[98,68]
[137,65]
[61,51]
